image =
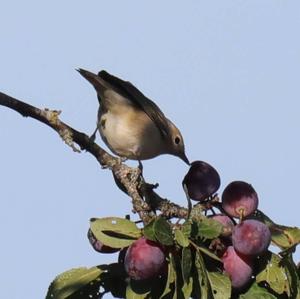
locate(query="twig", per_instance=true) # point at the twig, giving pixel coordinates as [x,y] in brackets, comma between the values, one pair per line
[130,179]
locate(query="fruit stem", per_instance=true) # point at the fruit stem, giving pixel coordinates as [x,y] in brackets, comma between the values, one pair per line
[188,200]
[241,213]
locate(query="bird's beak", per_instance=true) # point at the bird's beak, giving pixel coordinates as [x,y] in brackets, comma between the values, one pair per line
[91,77]
[184,158]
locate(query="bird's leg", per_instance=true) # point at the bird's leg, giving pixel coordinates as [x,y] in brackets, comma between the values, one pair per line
[141,167]
[93,136]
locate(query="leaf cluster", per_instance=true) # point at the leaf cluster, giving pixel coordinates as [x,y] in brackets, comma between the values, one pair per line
[194,265]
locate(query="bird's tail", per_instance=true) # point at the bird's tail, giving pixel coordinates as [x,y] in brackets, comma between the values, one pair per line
[94,79]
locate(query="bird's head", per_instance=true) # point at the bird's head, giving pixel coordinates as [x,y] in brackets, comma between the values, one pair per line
[176,144]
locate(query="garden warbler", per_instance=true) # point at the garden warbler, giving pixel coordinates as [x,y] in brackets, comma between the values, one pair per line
[130,124]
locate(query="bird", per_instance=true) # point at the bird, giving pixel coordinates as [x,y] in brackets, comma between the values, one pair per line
[130,124]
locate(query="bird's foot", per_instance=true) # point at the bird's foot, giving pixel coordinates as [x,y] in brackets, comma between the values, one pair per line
[121,160]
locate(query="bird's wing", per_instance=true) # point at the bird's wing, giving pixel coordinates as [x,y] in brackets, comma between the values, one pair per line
[128,90]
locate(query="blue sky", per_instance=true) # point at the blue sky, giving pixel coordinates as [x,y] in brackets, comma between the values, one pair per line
[226,72]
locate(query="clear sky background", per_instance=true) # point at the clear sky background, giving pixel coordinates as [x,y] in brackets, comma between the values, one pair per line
[226,72]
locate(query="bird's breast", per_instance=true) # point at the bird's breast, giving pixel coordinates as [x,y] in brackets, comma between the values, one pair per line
[131,133]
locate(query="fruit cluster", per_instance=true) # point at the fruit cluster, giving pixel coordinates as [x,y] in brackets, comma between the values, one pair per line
[219,250]
[244,241]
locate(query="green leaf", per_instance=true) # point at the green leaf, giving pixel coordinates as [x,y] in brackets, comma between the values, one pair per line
[171,278]
[179,286]
[209,228]
[149,288]
[115,232]
[256,292]
[186,263]
[291,271]
[187,228]
[220,285]
[163,231]
[282,236]
[202,277]
[186,268]
[72,281]
[149,231]
[181,239]
[274,274]
[187,288]
[208,252]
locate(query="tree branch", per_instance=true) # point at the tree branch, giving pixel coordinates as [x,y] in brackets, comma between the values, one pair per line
[144,200]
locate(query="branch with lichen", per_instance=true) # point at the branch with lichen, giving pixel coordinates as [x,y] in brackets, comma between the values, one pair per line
[145,200]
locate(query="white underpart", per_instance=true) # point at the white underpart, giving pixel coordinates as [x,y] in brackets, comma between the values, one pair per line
[129,132]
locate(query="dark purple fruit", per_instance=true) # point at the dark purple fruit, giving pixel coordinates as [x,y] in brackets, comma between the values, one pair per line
[202,181]
[98,246]
[144,259]
[251,237]
[239,199]
[238,267]
[226,222]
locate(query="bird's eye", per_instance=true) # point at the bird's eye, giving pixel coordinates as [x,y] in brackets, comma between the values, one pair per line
[177,140]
